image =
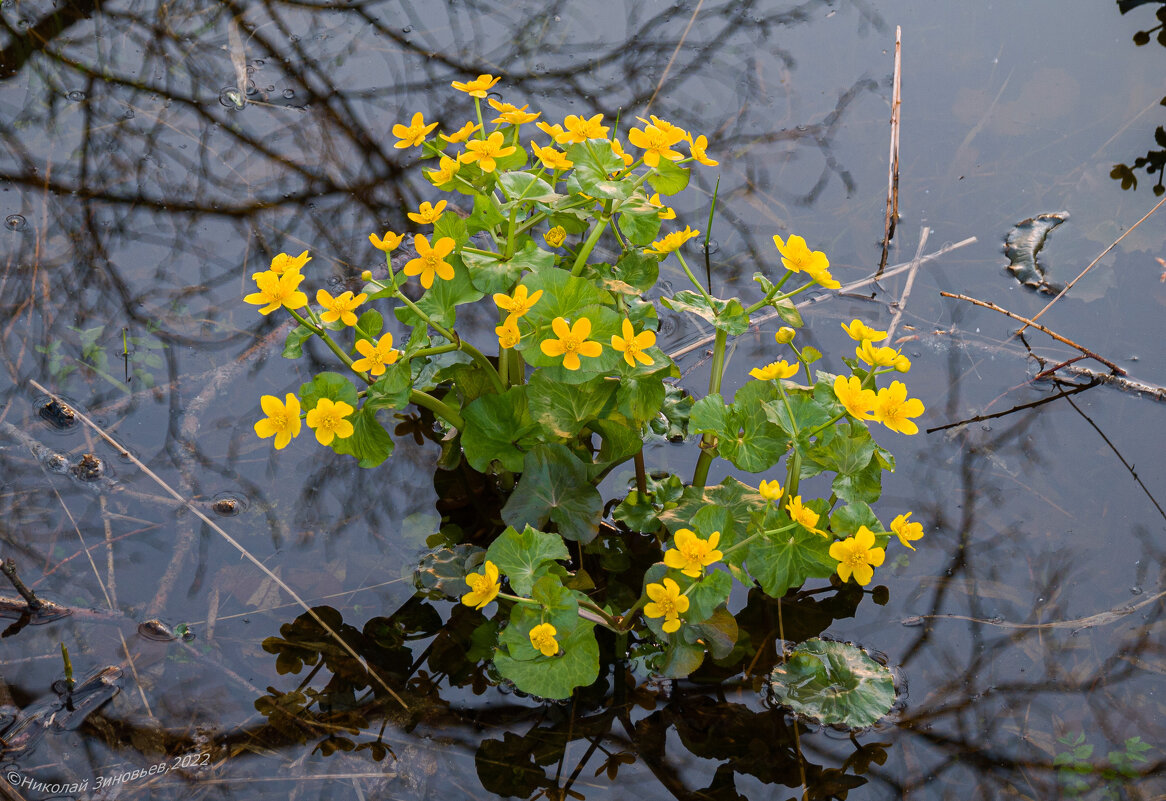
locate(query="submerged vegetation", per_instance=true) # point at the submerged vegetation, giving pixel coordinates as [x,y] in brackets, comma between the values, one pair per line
[565,240]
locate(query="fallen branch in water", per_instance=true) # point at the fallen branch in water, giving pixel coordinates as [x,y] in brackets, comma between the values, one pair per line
[1026,321]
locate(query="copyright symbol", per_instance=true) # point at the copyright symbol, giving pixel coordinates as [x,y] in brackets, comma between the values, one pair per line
[13,777]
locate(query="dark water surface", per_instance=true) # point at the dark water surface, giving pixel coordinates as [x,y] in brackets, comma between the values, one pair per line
[139,197]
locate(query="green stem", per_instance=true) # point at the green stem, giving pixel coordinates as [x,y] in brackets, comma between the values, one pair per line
[438,407]
[707,297]
[322,333]
[590,244]
[814,431]
[708,441]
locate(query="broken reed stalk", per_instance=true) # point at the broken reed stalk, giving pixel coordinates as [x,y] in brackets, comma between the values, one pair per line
[8,568]
[893,165]
[1101,255]
[1039,327]
[232,541]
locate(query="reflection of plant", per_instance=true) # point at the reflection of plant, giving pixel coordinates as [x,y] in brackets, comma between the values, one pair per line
[141,355]
[1112,774]
[1155,160]
[570,388]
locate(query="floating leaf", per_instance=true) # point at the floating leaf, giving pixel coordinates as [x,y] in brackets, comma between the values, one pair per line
[519,556]
[554,487]
[497,427]
[835,683]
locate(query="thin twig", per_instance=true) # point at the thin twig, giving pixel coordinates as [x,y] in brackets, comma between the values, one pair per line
[899,268]
[230,540]
[901,303]
[1069,285]
[8,568]
[1039,327]
[982,417]
[893,163]
[1128,384]
[676,52]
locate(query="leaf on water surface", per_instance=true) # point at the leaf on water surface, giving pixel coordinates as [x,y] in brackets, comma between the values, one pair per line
[835,683]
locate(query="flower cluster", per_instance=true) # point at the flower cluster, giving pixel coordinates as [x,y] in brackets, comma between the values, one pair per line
[575,383]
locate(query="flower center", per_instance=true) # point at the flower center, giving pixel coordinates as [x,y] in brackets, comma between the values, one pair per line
[430,261]
[328,422]
[668,606]
[857,558]
[571,344]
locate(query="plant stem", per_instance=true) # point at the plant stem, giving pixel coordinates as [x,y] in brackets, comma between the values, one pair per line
[438,407]
[709,441]
[589,245]
[707,297]
[641,473]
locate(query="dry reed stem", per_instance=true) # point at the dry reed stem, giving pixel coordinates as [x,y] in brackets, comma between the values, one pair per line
[892,217]
[231,541]
[901,303]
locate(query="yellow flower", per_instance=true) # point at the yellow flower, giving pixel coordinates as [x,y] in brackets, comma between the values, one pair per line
[515,116]
[508,334]
[375,356]
[902,364]
[580,130]
[893,408]
[572,342]
[431,260]
[329,420]
[672,241]
[517,304]
[771,490]
[778,369]
[445,174]
[903,528]
[803,516]
[618,150]
[413,134]
[461,134]
[277,290]
[282,421]
[857,556]
[478,87]
[388,244]
[784,335]
[656,143]
[665,213]
[697,146]
[485,151]
[340,307]
[284,263]
[860,332]
[542,637]
[556,236]
[822,276]
[664,125]
[552,159]
[795,256]
[692,554]
[483,586]
[667,602]
[498,105]
[859,402]
[428,214]
[875,356]
[553,131]
[632,345]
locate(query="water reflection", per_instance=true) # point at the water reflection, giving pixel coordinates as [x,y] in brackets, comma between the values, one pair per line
[136,204]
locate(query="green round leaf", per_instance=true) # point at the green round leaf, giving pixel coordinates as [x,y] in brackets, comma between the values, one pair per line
[835,683]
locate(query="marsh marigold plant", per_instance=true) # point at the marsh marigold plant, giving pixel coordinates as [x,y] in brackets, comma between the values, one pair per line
[530,342]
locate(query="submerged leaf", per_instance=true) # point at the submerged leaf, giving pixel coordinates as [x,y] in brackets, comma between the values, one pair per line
[835,683]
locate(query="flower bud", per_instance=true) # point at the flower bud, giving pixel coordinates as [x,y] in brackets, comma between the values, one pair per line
[784,335]
[902,363]
[366,275]
[555,236]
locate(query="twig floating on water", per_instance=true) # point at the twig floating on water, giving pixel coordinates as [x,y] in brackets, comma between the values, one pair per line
[1027,322]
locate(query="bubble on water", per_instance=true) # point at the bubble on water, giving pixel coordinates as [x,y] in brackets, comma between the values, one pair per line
[289,93]
[230,98]
[713,246]
[407,29]
[15,222]
[76,95]
[129,115]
